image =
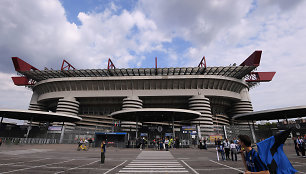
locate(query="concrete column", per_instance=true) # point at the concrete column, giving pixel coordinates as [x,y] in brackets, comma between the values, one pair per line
[201,104]
[225,132]
[173,130]
[131,102]
[29,128]
[68,105]
[253,133]
[35,105]
[1,122]
[62,133]
[243,106]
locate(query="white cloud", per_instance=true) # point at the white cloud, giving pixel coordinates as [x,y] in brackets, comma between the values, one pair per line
[13,97]
[39,33]
[196,21]
[273,27]
[225,32]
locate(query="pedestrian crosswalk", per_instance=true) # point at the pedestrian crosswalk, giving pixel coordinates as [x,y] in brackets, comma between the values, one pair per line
[154,162]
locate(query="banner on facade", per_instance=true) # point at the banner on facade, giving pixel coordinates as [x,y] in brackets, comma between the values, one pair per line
[212,138]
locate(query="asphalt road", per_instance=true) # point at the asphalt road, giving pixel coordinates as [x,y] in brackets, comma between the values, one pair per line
[65,159]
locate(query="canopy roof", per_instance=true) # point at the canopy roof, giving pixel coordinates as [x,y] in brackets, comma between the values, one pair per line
[273,114]
[155,114]
[38,116]
[228,71]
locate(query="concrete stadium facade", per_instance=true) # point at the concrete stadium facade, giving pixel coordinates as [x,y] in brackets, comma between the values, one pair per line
[218,93]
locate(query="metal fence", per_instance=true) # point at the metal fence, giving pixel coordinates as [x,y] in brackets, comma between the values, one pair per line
[73,135]
[256,132]
[12,140]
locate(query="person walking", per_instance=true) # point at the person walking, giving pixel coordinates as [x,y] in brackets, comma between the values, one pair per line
[296,147]
[171,143]
[103,145]
[226,145]
[166,144]
[218,142]
[177,142]
[301,144]
[0,142]
[204,144]
[250,157]
[220,149]
[161,144]
[233,147]
[140,144]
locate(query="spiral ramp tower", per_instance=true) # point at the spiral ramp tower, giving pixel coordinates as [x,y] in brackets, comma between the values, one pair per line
[242,106]
[201,104]
[131,102]
[68,106]
[35,105]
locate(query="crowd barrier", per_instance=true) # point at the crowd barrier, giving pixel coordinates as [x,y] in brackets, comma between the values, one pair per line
[11,140]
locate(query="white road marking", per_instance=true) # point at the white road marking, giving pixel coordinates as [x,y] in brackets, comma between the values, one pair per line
[227,166]
[36,166]
[77,167]
[154,168]
[190,167]
[22,152]
[24,162]
[216,169]
[151,171]
[115,167]
[154,162]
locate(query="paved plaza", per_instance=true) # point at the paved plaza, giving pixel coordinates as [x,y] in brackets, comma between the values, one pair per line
[65,158]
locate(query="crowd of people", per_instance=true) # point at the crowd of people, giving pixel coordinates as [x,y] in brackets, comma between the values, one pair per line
[299,145]
[226,147]
[85,144]
[159,143]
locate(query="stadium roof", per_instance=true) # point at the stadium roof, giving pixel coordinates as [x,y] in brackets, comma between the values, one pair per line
[228,71]
[155,114]
[38,116]
[274,114]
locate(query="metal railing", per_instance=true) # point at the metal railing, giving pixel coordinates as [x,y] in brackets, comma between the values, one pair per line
[12,140]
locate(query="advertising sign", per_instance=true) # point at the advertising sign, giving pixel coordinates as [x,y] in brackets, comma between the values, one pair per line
[168,134]
[213,137]
[189,129]
[143,134]
[55,128]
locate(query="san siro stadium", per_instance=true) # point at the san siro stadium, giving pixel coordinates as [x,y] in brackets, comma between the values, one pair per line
[152,102]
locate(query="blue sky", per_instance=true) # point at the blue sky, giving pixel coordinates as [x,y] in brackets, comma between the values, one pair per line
[179,33]
[74,7]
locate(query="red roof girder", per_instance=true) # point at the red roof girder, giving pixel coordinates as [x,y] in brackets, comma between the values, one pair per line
[253,59]
[22,81]
[110,64]
[202,63]
[259,76]
[67,66]
[21,65]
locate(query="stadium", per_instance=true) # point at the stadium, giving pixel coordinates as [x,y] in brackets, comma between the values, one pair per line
[156,101]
